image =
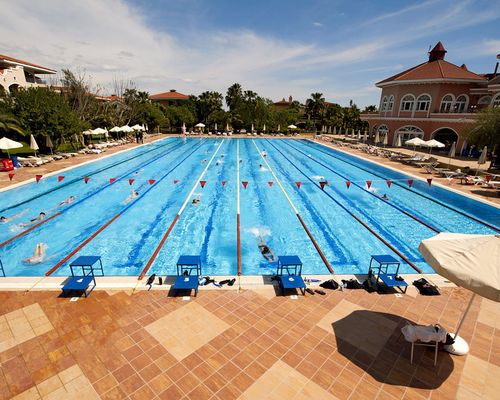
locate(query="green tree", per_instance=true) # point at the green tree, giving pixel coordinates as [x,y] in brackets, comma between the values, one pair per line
[315,106]
[10,125]
[234,96]
[206,103]
[486,130]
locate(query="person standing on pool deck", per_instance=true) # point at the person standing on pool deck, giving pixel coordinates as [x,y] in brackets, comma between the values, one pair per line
[266,252]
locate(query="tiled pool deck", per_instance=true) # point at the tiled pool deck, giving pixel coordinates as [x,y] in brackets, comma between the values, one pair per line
[248,344]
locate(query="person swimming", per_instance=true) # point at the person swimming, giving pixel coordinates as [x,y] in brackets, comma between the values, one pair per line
[265,250]
[204,162]
[69,200]
[217,163]
[4,220]
[40,217]
[132,196]
[38,256]
[385,197]
[196,200]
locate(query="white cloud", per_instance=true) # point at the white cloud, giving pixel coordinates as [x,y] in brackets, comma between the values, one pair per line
[318,24]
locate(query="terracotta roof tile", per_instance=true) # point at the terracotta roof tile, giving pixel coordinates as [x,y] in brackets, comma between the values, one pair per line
[170,95]
[16,60]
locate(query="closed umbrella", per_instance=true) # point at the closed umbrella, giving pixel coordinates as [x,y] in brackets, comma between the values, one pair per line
[48,143]
[451,153]
[482,158]
[346,133]
[216,127]
[352,132]
[359,134]
[279,127]
[329,129]
[264,128]
[334,130]
[252,129]
[183,127]
[365,136]
[398,141]
[227,127]
[8,144]
[377,137]
[469,261]
[33,144]
[386,139]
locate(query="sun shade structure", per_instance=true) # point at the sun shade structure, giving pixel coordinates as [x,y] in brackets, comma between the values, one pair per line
[434,143]
[33,144]
[115,129]
[292,127]
[469,261]
[8,144]
[199,125]
[137,127]
[416,141]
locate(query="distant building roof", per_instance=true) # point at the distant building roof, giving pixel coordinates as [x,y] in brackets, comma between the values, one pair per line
[435,68]
[39,68]
[172,94]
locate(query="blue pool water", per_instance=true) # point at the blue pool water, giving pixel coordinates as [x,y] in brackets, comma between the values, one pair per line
[209,228]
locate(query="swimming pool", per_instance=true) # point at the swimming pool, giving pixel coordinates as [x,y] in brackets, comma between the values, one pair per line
[343,224]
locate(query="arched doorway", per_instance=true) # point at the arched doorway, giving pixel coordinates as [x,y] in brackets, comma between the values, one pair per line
[14,88]
[406,133]
[446,136]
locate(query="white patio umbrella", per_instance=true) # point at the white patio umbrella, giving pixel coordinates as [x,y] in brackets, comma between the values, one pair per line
[346,133]
[183,128]
[398,141]
[199,125]
[377,137]
[292,127]
[416,141]
[434,143]
[334,130]
[482,158]
[264,128]
[216,127]
[126,129]
[115,129]
[33,144]
[88,132]
[136,127]
[48,143]
[279,127]
[359,134]
[99,131]
[329,129]
[352,132]
[227,127]
[451,153]
[469,261]
[8,144]
[365,136]
[252,129]
[386,139]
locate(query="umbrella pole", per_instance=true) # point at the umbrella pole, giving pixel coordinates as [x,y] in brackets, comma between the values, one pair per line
[464,315]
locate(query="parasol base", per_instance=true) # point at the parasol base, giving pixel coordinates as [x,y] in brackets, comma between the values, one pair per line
[459,348]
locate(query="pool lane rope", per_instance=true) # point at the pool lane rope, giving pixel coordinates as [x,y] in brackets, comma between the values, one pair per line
[98,190]
[370,229]
[130,205]
[238,223]
[395,181]
[306,229]
[367,191]
[179,213]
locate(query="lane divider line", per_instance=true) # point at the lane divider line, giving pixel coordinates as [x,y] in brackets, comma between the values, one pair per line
[238,223]
[130,205]
[402,186]
[98,190]
[371,193]
[186,201]
[390,246]
[306,229]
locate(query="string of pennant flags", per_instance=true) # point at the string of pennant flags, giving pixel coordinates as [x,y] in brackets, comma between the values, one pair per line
[368,183]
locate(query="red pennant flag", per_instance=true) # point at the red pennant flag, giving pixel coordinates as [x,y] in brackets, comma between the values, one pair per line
[130,181]
[86,179]
[38,177]
[298,184]
[223,183]
[175,181]
[11,176]
[202,183]
[389,183]
[270,184]
[244,183]
[368,184]
[111,180]
[322,184]
[348,184]
[151,181]
[410,182]
[60,178]
[429,181]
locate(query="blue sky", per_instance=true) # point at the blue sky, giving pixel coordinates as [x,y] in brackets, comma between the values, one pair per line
[277,48]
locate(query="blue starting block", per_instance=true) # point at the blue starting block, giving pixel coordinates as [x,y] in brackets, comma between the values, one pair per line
[188,273]
[85,278]
[386,262]
[2,271]
[292,279]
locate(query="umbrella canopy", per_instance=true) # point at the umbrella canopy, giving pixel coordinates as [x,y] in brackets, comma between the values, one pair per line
[264,128]
[386,139]
[398,141]
[126,128]
[359,134]
[199,125]
[99,131]
[482,157]
[434,143]
[469,261]
[7,144]
[292,127]
[48,142]
[33,144]
[377,137]
[252,128]
[416,141]
[116,129]
[88,132]
[452,151]
[136,127]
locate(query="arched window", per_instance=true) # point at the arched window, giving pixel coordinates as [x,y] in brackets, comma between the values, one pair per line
[446,103]
[407,102]
[409,132]
[390,105]
[496,101]
[423,102]
[460,104]
[484,101]
[383,107]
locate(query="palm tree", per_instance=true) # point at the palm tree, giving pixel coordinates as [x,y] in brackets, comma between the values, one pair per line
[8,123]
[315,106]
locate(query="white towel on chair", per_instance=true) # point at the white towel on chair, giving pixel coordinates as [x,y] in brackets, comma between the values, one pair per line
[434,333]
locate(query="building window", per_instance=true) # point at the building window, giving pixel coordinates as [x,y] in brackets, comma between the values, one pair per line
[383,107]
[409,132]
[391,103]
[484,101]
[446,104]
[496,101]
[407,103]
[460,104]
[423,103]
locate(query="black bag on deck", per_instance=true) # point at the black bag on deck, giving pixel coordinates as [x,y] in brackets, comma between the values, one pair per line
[329,284]
[425,288]
[352,284]
[369,286]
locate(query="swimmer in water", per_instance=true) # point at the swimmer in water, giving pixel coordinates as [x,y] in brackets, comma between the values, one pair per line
[241,161]
[69,200]
[132,196]
[261,166]
[4,220]
[264,154]
[265,250]
[204,162]
[38,256]
[385,197]
[35,220]
[217,163]
[196,200]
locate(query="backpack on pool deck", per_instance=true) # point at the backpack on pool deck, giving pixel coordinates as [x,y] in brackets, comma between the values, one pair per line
[425,288]
[329,284]
[352,284]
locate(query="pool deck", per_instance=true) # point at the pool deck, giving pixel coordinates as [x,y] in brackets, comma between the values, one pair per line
[241,344]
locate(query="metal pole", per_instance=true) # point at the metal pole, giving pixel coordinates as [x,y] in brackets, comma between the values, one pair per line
[464,315]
